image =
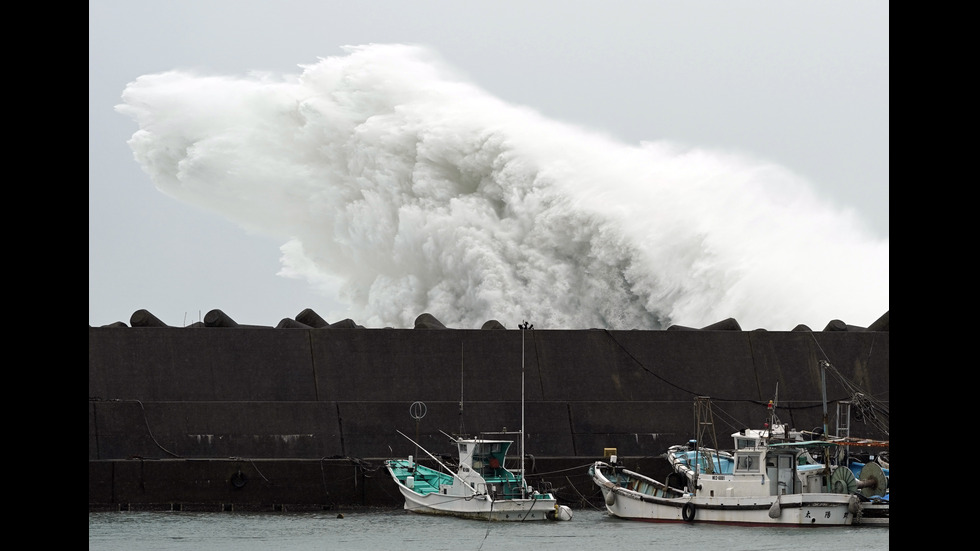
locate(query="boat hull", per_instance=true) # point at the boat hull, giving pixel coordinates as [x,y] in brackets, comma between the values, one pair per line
[805,509]
[481,507]
[872,514]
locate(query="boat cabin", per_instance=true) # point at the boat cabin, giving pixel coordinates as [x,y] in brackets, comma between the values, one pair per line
[482,456]
[481,465]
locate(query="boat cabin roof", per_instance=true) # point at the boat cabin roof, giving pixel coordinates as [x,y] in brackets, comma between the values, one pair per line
[807,443]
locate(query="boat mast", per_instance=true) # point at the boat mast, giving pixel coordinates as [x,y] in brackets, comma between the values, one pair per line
[461,433]
[823,384]
[703,421]
[523,327]
[825,451]
[417,411]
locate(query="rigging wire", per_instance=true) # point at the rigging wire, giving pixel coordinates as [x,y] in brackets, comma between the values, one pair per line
[868,407]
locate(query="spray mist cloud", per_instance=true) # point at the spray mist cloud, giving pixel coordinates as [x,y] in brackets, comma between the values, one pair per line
[407,190]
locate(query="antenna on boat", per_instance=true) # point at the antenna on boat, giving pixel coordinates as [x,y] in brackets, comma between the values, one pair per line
[524,327]
[417,411]
[771,415]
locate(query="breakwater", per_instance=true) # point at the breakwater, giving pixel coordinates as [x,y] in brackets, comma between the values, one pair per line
[220,416]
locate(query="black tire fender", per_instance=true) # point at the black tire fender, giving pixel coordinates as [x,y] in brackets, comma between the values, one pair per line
[689,511]
[238,480]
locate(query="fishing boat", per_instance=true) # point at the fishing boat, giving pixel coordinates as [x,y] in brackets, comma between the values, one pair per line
[482,486]
[771,478]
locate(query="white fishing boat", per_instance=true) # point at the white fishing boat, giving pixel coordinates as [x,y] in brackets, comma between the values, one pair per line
[482,486]
[771,478]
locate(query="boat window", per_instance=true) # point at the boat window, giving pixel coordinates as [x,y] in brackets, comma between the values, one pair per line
[748,463]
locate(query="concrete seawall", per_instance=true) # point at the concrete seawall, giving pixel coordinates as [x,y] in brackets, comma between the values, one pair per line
[238,417]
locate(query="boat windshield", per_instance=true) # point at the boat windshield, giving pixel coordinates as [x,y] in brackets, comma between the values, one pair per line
[479,454]
[748,463]
[491,453]
[744,443]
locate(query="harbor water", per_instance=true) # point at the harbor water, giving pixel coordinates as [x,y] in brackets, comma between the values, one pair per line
[374,530]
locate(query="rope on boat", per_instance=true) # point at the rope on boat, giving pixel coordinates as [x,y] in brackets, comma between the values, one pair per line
[576,468]
[868,407]
[584,500]
[489,519]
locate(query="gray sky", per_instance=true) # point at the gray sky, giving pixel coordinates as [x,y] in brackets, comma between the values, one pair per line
[801,84]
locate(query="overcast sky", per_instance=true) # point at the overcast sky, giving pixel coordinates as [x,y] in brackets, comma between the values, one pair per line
[803,85]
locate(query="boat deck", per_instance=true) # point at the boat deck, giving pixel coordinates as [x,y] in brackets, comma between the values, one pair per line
[425,480]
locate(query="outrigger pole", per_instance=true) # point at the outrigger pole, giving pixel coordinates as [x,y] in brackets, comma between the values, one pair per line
[434,458]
